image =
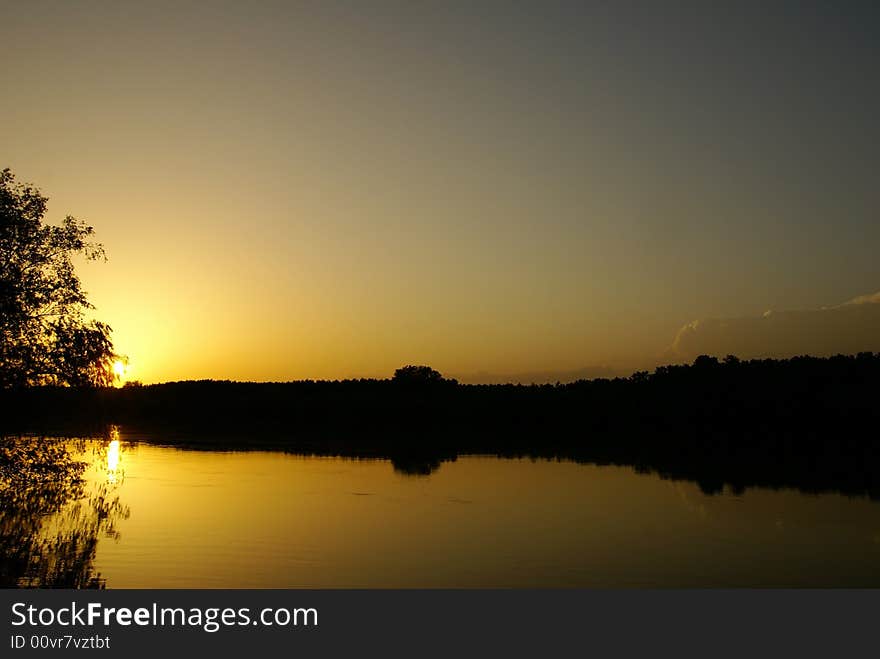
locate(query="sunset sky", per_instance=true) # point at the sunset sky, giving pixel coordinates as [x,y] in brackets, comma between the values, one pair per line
[325,190]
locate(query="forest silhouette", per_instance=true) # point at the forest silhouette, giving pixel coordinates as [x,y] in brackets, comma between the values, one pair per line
[807,423]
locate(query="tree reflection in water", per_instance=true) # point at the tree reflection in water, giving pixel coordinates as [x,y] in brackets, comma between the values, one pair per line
[51,518]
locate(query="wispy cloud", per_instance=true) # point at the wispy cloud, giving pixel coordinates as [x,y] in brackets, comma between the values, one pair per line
[851,327]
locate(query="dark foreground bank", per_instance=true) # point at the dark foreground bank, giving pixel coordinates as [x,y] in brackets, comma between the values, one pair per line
[808,423]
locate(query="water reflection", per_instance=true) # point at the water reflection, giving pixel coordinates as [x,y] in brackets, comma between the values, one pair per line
[271,520]
[113,457]
[265,519]
[52,514]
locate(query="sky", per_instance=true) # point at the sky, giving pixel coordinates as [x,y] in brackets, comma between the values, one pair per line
[329,190]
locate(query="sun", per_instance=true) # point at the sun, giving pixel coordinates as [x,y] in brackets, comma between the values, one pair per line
[119,368]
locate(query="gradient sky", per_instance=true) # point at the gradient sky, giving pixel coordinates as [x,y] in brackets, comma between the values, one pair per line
[291,190]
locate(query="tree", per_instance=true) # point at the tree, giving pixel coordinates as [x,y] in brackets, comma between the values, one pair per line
[45,336]
[417,375]
[705,362]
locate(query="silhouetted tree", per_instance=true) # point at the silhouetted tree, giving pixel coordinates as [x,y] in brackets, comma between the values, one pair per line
[417,375]
[44,335]
[705,361]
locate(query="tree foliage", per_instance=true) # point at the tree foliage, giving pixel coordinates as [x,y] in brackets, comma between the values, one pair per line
[417,375]
[45,335]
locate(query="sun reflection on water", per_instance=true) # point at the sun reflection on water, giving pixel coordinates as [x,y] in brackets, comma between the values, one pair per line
[113,457]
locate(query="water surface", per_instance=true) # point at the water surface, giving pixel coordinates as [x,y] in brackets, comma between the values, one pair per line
[271,520]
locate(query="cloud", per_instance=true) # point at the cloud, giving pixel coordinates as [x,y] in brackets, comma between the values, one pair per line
[851,327]
[863,299]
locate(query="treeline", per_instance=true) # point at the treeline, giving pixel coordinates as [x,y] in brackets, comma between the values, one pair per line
[804,422]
